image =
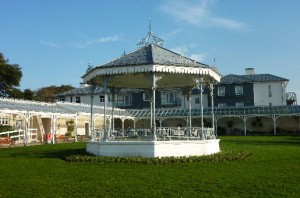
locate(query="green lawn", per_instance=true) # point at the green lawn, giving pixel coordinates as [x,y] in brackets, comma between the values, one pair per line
[273,170]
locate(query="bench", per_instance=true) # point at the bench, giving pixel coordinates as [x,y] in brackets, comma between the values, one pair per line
[7,140]
[61,138]
[178,133]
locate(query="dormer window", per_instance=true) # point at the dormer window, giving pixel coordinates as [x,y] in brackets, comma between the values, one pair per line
[102,98]
[238,90]
[221,91]
[77,99]
[146,96]
[270,90]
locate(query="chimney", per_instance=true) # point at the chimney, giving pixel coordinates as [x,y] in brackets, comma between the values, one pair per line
[82,85]
[249,71]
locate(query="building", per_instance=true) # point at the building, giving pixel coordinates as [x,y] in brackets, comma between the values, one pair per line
[251,90]
[243,104]
[248,90]
[133,98]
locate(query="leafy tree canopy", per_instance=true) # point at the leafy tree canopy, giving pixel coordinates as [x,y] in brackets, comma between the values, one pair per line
[46,94]
[28,94]
[10,77]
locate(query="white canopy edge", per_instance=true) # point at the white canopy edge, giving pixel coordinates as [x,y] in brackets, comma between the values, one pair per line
[103,71]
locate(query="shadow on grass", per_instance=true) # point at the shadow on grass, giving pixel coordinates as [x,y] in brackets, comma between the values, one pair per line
[267,141]
[47,151]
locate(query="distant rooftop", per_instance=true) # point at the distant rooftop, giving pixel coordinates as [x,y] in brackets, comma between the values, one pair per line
[233,78]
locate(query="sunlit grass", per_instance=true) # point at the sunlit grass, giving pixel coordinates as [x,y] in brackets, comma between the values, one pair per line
[40,171]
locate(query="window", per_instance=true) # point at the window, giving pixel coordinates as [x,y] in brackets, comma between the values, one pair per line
[77,99]
[146,96]
[71,99]
[239,104]
[62,99]
[238,90]
[102,98]
[170,98]
[270,90]
[222,105]
[270,104]
[4,120]
[124,100]
[197,100]
[221,91]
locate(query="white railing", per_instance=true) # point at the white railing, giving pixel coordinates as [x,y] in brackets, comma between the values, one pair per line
[186,133]
[18,136]
[162,133]
[97,135]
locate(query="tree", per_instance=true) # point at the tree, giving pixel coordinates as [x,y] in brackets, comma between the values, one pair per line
[46,94]
[10,77]
[70,128]
[28,94]
[15,93]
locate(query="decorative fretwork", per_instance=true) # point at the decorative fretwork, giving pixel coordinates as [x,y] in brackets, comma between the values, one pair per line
[150,38]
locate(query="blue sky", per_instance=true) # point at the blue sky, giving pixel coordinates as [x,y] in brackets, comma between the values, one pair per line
[54,40]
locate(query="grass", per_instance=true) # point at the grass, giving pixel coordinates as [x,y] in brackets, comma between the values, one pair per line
[272,170]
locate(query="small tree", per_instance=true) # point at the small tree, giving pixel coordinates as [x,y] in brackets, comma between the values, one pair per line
[70,128]
[46,94]
[10,77]
[28,94]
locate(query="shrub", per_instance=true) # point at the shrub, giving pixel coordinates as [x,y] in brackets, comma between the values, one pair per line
[4,128]
[218,157]
[70,128]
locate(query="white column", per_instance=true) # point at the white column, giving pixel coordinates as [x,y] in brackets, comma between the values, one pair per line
[26,129]
[245,126]
[153,107]
[123,132]
[113,110]
[105,138]
[190,113]
[53,132]
[274,124]
[91,120]
[75,127]
[151,113]
[201,106]
[212,109]
[216,127]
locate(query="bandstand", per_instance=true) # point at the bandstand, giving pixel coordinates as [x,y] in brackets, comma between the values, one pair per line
[150,68]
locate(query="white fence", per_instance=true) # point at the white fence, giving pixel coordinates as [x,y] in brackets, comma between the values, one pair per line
[162,133]
[19,136]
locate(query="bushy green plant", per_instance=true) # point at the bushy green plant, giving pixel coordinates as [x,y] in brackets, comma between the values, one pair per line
[4,128]
[218,157]
[70,128]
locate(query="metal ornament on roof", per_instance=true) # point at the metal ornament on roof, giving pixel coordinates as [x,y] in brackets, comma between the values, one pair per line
[89,68]
[150,38]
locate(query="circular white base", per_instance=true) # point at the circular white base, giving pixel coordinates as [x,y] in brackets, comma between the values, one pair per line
[153,148]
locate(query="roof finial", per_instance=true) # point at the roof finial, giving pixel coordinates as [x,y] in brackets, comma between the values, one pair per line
[149,25]
[150,38]
[89,67]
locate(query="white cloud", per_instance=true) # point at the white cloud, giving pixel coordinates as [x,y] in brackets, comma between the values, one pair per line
[199,14]
[197,57]
[50,44]
[184,51]
[108,39]
[170,34]
[94,41]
